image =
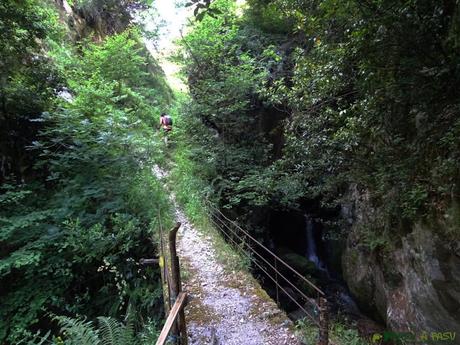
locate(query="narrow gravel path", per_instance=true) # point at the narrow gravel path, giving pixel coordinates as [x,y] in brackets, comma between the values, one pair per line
[225,307]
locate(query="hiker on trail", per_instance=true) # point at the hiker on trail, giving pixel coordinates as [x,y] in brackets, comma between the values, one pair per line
[166,124]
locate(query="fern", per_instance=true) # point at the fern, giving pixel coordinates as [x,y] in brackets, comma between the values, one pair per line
[78,332]
[108,332]
[36,339]
[114,332]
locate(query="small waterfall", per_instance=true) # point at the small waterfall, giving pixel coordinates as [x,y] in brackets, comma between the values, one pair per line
[312,254]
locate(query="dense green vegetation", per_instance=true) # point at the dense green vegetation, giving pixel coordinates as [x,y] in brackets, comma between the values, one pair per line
[292,103]
[297,101]
[78,202]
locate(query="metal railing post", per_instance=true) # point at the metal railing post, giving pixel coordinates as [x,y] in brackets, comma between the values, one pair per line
[323,322]
[277,288]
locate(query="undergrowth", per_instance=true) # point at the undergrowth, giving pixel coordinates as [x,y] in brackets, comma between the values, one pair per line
[192,190]
[339,334]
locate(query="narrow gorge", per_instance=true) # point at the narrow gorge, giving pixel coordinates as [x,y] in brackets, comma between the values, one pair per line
[311,151]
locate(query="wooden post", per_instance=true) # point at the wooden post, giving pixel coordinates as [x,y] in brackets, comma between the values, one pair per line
[176,286]
[165,283]
[162,262]
[323,322]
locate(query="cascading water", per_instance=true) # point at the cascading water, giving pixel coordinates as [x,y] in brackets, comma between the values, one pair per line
[311,243]
[294,234]
[312,252]
[334,288]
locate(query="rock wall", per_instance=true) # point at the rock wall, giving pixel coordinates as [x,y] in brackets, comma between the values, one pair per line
[414,287]
[77,26]
[96,19]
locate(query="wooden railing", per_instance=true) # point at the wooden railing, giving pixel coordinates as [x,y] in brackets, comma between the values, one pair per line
[177,308]
[174,326]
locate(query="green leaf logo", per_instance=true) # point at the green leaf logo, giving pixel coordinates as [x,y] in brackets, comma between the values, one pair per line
[376,337]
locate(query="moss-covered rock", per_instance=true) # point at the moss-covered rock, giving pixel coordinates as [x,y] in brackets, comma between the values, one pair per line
[300,263]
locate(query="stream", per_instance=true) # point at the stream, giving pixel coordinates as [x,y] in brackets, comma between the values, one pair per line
[298,238]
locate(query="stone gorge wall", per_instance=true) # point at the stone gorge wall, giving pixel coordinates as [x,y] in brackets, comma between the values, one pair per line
[413,287]
[77,26]
[96,19]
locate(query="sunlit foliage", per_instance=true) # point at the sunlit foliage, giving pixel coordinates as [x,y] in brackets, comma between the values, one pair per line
[307,98]
[78,202]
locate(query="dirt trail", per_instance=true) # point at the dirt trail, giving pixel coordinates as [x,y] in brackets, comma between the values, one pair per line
[225,307]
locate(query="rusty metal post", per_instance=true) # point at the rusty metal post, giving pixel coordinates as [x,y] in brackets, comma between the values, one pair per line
[176,286]
[277,284]
[323,322]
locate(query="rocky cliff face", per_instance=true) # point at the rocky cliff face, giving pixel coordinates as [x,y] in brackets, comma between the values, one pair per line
[414,287]
[96,19]
[77,26]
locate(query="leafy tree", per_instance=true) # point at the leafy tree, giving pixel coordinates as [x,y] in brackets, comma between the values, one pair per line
[225,65]
[373,103]
[27,80]
[308,98]
[71,234]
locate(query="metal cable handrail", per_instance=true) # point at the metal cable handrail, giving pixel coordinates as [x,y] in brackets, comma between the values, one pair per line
[308,299]
[268,250]
[268,275]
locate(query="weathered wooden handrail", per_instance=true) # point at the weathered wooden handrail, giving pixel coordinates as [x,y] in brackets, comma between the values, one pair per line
[180,328]
[178,306]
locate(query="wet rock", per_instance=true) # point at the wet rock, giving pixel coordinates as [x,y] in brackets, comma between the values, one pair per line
[415,287]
